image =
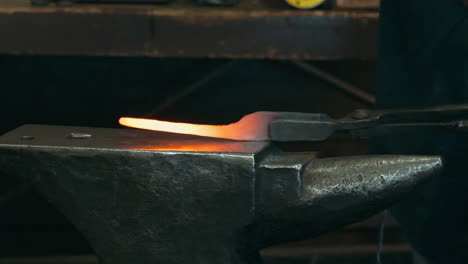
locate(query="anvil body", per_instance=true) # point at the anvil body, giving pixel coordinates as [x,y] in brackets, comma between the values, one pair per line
[144,197]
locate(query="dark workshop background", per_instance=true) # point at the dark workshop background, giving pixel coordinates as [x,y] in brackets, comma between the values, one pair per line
[95,91]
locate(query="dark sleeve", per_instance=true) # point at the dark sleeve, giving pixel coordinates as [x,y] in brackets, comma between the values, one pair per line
[424,62]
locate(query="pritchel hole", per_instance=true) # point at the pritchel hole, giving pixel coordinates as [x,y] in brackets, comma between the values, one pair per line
[26,137]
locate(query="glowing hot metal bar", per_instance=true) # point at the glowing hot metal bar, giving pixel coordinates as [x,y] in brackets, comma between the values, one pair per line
[258,126]
[252,127]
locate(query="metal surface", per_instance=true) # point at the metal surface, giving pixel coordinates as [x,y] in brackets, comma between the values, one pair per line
[125,139]
[252,29]
[316,127]
[330,193]
[146,197]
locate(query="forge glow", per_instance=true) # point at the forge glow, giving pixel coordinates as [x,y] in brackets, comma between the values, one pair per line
[252,127]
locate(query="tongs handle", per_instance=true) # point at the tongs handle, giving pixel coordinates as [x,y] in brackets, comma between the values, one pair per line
[443,113]
[318,127]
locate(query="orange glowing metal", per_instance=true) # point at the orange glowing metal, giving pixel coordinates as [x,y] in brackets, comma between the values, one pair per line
[206,147]
[253,127]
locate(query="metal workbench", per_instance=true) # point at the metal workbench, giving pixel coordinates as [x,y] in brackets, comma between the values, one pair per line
[253,29]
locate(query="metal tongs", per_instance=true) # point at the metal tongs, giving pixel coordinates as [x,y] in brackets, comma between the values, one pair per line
[363,123]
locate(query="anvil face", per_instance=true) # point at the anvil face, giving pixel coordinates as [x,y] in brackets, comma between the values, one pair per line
[145,197]
[124,140]
[139,190]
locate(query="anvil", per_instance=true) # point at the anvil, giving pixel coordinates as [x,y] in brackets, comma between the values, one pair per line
[145,197]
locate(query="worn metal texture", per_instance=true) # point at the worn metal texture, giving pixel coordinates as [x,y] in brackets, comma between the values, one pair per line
[252,29]
[138,197]
[325,194]
[146,197]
